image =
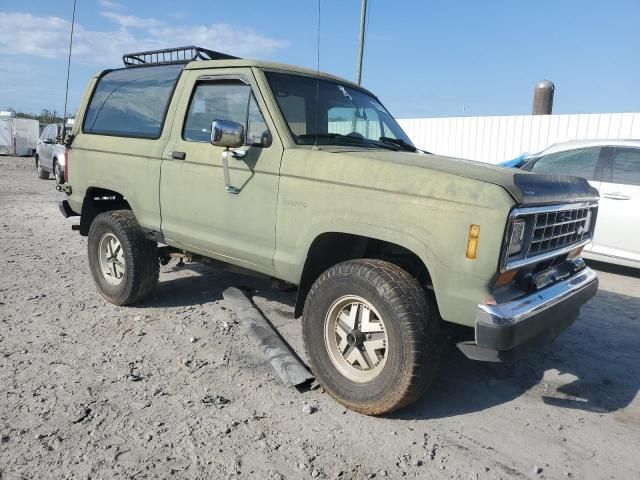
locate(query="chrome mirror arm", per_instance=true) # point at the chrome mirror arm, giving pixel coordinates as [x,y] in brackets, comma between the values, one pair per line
[225,170]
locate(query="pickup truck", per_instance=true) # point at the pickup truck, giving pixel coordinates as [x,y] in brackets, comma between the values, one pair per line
[307,178]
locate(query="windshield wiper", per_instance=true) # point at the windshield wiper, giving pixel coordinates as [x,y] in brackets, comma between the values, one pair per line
[340,139]
[313,136]
[387,145]
[400,143]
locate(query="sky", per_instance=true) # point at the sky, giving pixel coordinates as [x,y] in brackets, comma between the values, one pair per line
[429,58]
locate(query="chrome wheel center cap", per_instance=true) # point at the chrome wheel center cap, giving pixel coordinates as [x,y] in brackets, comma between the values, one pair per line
[356,338]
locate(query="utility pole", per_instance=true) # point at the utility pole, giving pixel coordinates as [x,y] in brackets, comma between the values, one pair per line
[363,16]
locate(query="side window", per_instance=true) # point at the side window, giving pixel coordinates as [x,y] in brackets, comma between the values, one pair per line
[49,133]
[579,163]
[257,131]
[625,167]
[296,109]
[132,102]
[224,101]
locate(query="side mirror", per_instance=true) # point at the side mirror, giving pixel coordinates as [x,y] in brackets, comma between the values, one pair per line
[48,141]
[227,134]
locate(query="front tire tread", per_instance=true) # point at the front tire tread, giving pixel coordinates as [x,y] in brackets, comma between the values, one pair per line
[417,319]
[143,265]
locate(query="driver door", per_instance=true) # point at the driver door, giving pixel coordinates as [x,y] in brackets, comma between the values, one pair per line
[198,212]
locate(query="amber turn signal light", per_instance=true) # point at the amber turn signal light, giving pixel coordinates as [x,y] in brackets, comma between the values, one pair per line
[506,278]
[472,241]
[575,253]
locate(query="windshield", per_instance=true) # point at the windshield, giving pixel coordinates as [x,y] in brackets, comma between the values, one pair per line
[344,115]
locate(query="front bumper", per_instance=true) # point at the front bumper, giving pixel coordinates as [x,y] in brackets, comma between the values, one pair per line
[505,332]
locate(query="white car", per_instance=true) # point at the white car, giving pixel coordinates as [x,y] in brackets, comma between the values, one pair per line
[50,154]
[612,167]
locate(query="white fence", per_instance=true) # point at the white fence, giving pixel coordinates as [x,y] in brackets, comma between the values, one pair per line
[499,138]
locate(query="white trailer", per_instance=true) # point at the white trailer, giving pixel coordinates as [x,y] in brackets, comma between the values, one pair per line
[18,136]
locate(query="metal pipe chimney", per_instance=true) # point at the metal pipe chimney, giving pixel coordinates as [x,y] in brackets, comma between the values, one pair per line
[543,98]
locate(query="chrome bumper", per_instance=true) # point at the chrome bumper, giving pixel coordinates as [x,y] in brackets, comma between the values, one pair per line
[501,330]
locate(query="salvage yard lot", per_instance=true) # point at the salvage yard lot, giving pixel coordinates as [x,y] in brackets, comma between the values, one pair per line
[174,388]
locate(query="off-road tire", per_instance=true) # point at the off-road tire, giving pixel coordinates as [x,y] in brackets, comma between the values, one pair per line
[41,172]
[412,325]
[141,257]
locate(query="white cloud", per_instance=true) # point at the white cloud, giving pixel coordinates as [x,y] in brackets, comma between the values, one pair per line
[111,5]
[131,21]
[48,37]
[179,15]
[239,41]
[23,33]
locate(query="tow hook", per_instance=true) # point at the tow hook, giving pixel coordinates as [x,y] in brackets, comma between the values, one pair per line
[65,187]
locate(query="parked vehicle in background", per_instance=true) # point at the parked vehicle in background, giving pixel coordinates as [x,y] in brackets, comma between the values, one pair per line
[18,136]
[306,177]
[613,168]
[515,162]
[50,153]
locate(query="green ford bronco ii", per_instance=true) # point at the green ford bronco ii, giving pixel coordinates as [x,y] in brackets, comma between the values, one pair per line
[307,178]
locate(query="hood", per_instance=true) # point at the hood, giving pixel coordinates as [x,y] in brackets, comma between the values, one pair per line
[526,188]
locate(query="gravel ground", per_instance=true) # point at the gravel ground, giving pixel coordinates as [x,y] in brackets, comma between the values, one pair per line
[175,389]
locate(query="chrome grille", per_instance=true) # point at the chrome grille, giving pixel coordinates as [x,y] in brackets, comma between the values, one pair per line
[550,231]
[554,230]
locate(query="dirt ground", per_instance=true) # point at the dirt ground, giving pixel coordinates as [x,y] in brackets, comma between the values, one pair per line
[175,389]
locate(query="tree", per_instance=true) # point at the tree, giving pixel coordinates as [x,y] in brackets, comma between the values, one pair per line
[44,117]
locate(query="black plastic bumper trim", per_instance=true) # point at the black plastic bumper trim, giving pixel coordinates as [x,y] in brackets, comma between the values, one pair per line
[66,210]
[510,341]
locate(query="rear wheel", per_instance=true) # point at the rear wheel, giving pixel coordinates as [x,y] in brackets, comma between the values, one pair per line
[124,263]
[42,173]
[371,335]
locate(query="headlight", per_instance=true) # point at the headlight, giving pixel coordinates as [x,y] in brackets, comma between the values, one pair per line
[587,224]
[517,237]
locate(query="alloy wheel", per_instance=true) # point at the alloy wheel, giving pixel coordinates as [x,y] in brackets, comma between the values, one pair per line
[112,261]
[356,338]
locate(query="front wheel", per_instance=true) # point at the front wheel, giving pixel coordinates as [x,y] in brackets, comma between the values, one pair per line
[42,173]
[371,335]
[58,172]
[124,263]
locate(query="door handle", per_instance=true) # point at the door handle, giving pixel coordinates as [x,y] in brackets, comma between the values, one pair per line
[616,196]
[178,155]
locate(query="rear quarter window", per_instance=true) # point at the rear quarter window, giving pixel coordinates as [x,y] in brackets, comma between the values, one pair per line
[625,167]
[132,102]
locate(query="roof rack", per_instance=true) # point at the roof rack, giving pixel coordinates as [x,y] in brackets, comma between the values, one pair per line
[172,56]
